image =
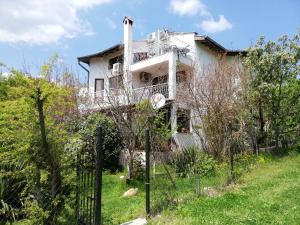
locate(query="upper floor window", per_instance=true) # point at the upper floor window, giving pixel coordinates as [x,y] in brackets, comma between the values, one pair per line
[112,61]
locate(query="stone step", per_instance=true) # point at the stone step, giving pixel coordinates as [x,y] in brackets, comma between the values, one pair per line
[139,221]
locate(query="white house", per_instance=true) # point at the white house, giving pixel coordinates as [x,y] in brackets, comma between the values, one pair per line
[156,64]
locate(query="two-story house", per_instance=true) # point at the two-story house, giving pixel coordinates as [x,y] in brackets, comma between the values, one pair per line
[156,64]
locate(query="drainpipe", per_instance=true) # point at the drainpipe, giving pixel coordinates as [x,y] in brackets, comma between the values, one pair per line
[88,73]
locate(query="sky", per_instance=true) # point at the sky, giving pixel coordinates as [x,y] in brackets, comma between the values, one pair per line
[32,31]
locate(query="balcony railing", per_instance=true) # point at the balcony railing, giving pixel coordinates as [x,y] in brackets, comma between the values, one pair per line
[121,97]
[159,50]
[148,91]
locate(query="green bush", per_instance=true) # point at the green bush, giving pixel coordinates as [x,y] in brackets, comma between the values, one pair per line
[34,213]
[191,161]
[112,139]
[296,147]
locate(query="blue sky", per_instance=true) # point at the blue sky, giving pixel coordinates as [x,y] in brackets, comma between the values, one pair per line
[31,31]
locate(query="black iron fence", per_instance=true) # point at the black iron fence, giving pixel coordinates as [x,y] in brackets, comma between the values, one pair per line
[89,176]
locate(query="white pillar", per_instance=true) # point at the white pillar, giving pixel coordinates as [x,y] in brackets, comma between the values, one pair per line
[172,75]
[173,117]
[127,75]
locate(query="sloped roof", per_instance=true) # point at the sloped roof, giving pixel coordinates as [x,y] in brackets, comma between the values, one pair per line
[115,48]
[205,40]
[212,44]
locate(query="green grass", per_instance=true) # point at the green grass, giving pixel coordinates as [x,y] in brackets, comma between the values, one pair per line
[268,194]
[117,209]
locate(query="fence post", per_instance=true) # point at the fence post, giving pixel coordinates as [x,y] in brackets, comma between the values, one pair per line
[98,177]
[147,149]
[77,186]
[231,154]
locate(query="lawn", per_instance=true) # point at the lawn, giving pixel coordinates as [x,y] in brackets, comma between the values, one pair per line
[268,194]
[118,209]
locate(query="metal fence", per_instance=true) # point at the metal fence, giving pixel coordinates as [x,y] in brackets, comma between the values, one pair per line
[89,176]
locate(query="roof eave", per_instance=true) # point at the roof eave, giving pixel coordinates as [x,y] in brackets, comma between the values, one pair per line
[212,44]
[115,48]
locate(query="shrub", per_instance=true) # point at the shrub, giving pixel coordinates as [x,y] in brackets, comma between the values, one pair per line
[296,147]
[112,139]
[191,161]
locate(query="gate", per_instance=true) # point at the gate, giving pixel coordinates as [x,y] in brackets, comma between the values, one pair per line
[89,186]
[89,178]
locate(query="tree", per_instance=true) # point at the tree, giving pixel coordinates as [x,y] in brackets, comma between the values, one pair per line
[215,95]
[132,113]
[35,117]
[273,94]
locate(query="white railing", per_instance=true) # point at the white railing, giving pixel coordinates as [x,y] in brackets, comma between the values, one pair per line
[148,91]
[105,98]
[159,50]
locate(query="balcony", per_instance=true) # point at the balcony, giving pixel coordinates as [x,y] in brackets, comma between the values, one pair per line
[143,62]
[119,97]
[148,91]
[160,50]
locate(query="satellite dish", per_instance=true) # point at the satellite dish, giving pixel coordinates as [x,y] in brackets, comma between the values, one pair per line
[157,101]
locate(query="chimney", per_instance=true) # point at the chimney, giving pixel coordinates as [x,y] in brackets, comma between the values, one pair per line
[127,41]
[128,58]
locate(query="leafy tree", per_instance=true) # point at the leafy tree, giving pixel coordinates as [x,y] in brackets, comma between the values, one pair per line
[34,125]
[273,95]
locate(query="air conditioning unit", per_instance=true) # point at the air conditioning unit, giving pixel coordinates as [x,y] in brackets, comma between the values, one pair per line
[151,37]
[117,69]
[145,77]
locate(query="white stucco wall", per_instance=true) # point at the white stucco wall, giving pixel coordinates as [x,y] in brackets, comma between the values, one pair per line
[99,70]
[201,55]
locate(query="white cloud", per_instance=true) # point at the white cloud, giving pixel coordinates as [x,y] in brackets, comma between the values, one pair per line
[197,7]
[85,4]
[213,26]
[42,22]
[189,7]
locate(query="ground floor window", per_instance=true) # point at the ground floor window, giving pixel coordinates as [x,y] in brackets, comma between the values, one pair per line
[183,120]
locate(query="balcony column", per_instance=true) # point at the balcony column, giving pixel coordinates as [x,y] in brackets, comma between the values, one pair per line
[172,75]
[173,117]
